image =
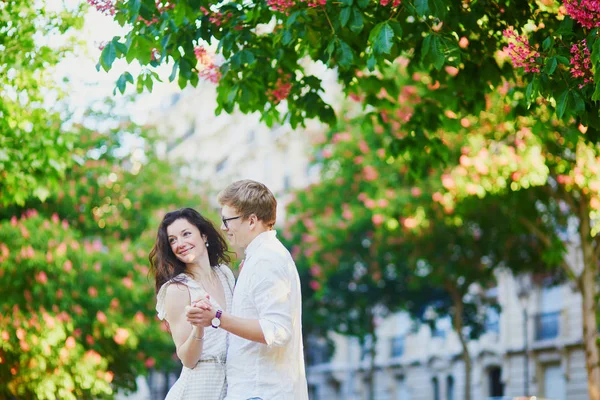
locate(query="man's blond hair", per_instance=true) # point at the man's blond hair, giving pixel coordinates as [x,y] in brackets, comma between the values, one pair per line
[250,197]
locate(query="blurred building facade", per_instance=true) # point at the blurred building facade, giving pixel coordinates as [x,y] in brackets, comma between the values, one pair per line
[426,364]
[410,364]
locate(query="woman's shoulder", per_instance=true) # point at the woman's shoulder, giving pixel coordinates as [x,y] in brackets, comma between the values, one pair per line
[226,270]
[175,290]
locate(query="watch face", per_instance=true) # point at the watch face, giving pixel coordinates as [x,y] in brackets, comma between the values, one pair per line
[216,322]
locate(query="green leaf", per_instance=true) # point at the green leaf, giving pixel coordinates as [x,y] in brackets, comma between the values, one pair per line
[108,56]
[436,54]
[344,55]
[357,23]
[134,9]
[425,46]
[247,57]
[422,7]
[561,104]
[579,103]
[563,60]
[551,64]
[344,16]
[363,3]
[174,71]
[287,37]
[566,27]
[329,51]
[547,43]
[371,63]
[347,3]
[596,94]
[439,8]
[381,38]
[121,83]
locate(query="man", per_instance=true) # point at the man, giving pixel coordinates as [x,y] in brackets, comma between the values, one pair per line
[265,356]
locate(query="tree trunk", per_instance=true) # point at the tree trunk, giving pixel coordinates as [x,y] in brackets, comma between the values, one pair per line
[457,323]
[589,291]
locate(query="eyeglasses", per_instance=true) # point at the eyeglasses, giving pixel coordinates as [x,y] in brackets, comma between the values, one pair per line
[226,220]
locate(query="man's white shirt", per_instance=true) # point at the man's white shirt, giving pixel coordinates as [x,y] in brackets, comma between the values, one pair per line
[268,289]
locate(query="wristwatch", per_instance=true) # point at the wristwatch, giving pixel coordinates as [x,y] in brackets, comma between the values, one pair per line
[216,321]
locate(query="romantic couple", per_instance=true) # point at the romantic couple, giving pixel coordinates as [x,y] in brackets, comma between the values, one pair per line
[237,341]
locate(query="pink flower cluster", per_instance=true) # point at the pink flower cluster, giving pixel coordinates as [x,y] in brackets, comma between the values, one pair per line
[106,7]
[384,3]
[217,18]
[282,89]
[521,52]
[586,12]
[315,3]
[282,6]
[581,64]
[210,71]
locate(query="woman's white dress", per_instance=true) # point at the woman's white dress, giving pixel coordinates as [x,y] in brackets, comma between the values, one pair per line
[207,380]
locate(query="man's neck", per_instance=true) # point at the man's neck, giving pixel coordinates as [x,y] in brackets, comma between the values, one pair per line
[258,232]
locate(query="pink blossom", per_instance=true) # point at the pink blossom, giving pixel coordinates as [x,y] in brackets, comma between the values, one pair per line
[437,197]
[92,291]
[121,336]
[581,63]
[316,271]
[106,7]
[42,278]
[139,317]
[314,285]
[70,342]
[282,6]
[377,219]
[68,266]
[101,317]
[150,362]
[522,54]
[410,223]
[586,12]
[281,89]
[128,282]
[347,214]
[463,42]
[370,204]
[370,173]
[415,191]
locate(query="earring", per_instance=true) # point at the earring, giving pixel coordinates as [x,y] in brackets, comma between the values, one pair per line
[206,244]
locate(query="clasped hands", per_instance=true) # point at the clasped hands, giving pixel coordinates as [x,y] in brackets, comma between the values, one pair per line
[200,313]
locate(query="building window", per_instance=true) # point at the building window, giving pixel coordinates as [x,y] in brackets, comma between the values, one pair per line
[402,392]
[287,182]
[317,351]
[555,384]
[548,320]
[547,325]
[492,320]
[436,388]
[450,388]
[397,346]
[496,387]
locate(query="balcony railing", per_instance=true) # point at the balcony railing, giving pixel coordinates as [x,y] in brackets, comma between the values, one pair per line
[547,325]
[397,346]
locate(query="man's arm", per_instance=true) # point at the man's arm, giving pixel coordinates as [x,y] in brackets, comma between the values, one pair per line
[249,329]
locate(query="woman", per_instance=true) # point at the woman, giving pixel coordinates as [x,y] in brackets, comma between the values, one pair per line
[188,261]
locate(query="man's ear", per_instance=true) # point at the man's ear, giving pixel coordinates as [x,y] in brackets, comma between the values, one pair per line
[252,220]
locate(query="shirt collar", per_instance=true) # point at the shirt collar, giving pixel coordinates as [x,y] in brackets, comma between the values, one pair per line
[258,240]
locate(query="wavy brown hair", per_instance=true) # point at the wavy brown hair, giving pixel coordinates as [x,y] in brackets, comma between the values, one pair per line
[165,265]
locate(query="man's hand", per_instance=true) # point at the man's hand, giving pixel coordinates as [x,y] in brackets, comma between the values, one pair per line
[200,313]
